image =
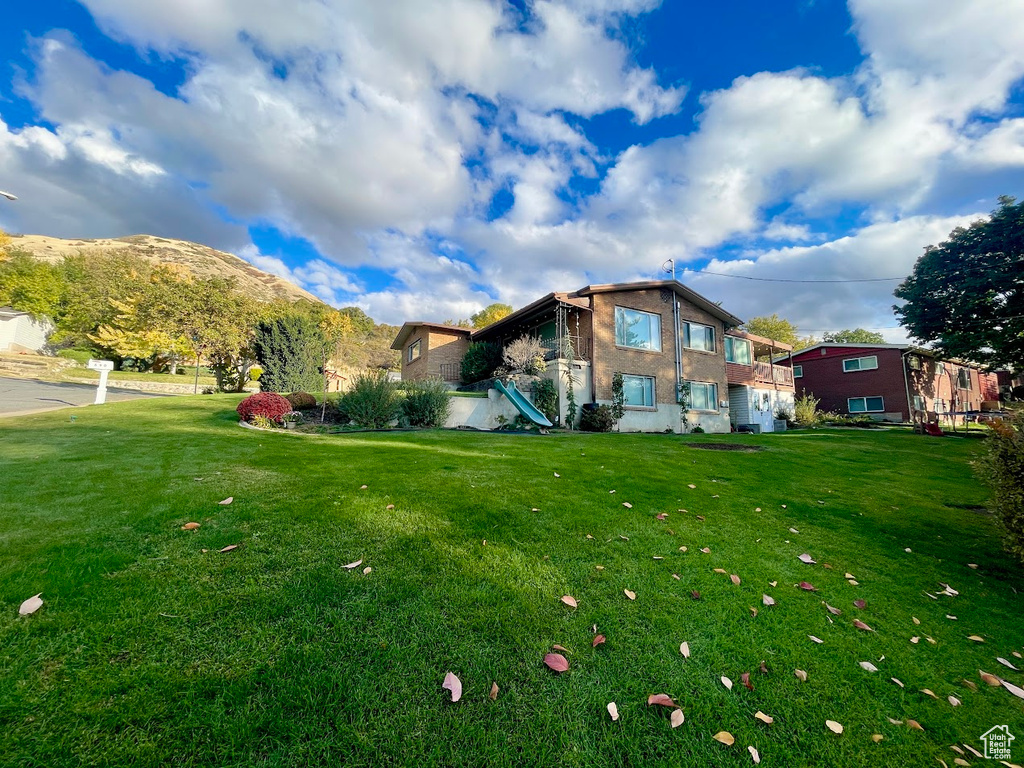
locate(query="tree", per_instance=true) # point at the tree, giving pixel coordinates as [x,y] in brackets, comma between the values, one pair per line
[854,336]
[30,285]
[91,283]
[291,350]
[966,295]
[772,327]
[490,314]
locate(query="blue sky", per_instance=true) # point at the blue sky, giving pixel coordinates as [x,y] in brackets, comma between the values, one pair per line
[422,159]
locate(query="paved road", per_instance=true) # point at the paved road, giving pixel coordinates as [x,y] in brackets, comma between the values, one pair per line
[22,396]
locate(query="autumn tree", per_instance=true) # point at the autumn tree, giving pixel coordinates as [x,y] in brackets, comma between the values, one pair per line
[853,336]
[965,296]
[490,314]
[30,285]
[778,329]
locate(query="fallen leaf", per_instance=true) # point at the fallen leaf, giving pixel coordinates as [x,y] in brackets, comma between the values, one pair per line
[597,641]
[660,699]
[970,684]
[611,491]
[726,682]
[763,717]
[390,506]
[745,679]
[1017,654]
[774,583]
[599,567]
[960,761]
[725,738]
[627,505]
[558,647]
[929,692]
[701,518]
[485,542]
[682,549]
[930,639]
[754,755]
[356,564]
[861,625]
[972,750]
[854,582]
[695,594]
[31,605]
[624,538]
[976,639]
[734,579]
[859,604]
[706,550]
[534,509]
[914,725]
[493,695]
[816,639]
[763,669]
[363,487]
[569,600]
[916,620]
[907,549]
[808,587]
[767,600]
[227,501]
[684,648]
[676,576]
[557,662]
[834,726]
[791,530]
[613,710]
[557,475]
[189,526]
[973,565]
[753,611]
[757,509]
[833,611]
[719,570]
[895,680]
[1015,690]
[849,576]
[367,570]
[453,684]
[805,558]
[801,675]
[894,721]
[230,547]
[915,639]
[691,485]
[957,749]
[630,595]
[1006,663]
[877,737]
[676,718]
[868,666]
[953,700]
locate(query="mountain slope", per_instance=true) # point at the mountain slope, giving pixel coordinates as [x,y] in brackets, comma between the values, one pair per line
[201,260]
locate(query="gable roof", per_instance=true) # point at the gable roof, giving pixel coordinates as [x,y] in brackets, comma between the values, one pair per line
[543,303]
[680,290]
[407,328]
[861,345]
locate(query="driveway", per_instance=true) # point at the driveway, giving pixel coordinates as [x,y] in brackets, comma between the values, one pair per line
[23,396]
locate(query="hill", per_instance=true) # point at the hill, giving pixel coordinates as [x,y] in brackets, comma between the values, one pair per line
[201,260]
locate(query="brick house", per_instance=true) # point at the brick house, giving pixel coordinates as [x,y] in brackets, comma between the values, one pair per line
[658,334]
[894,382]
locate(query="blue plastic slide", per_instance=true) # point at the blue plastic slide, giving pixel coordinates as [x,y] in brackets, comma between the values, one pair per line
[524,406]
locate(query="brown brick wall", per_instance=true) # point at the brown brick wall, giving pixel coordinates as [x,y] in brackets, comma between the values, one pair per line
[437,348]
[610,359]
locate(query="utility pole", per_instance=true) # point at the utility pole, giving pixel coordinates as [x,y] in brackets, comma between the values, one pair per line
[670,266]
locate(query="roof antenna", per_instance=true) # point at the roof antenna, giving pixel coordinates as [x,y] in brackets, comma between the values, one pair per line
[670,266]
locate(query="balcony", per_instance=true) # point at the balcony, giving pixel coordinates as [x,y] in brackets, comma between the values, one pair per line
[766,373]
[553,350]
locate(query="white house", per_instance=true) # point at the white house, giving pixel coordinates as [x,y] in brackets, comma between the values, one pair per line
[20,332]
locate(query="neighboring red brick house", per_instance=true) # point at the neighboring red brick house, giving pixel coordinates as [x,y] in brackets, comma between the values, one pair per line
[657,334]
[890,381]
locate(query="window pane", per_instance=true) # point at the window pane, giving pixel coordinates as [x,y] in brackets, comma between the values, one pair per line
[798,371]
[640,330]
[851,365]
[697,336]
[638,391]
[868,363]
[737,350]
[875,404]
[703,397]
[856,405]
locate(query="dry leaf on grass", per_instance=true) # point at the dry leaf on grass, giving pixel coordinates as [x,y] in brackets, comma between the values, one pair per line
[818,640]
[627,505]
[695,594]
[753,611]
[613,711]
[897,681]
[973,566]
[791,530]
[1006,663]
[706,550]
[894,721]
[31,605]
[953,700]
[189,526]
[992,680]
[493,695]
[853,582]
[390,506]
[868,666]
[859,604]
[1015,690]
[976,639]
[806,558]
[763,717]
[773,583]
[661,516]
[833,611]
[726,682]
[861,625]
[676,718]
[801,675]
[929,692]
[226,501]
[569,600]
[734,579]
[745,679]
[724,737]
[970,684]
[834,726]
[356,564]
[230,548]
[719,570]
[754,755]
[767,600]
[453,684]
[807,586]
[367,570]
[684,648]
[914,725]
[877,737]
[557,475]
[661,700]
[915,639]
[691,485]
[556,662]
[597,641]
[558,647]
[599,567]
[363,487]
[630,595]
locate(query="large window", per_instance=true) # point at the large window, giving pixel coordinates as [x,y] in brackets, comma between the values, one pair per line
[798,371]
[963,378]
[638,391]
[920,404]
[865,405]
[737,350]
[703,396]
[414,350]
[860,364]
[697,336]
[636,329]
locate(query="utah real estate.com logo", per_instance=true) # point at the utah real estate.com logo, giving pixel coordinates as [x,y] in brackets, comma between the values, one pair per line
[997,742]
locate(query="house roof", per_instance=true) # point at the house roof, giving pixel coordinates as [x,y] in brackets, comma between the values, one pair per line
[543,303]
[681,290]
[407,328]
[862,345]
[11,312]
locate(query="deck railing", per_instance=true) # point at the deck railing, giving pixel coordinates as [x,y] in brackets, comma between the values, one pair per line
[451,371]
[766,373]
[553,350]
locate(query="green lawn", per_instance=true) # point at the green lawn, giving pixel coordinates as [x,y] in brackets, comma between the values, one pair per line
[162,378]
[150,651]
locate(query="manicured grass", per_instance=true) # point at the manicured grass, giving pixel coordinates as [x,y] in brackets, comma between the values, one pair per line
[162,378]
[149,651]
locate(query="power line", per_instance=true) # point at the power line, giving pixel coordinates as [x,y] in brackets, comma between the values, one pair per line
[788,280]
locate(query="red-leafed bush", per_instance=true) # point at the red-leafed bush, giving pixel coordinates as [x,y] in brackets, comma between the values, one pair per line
[266,404]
